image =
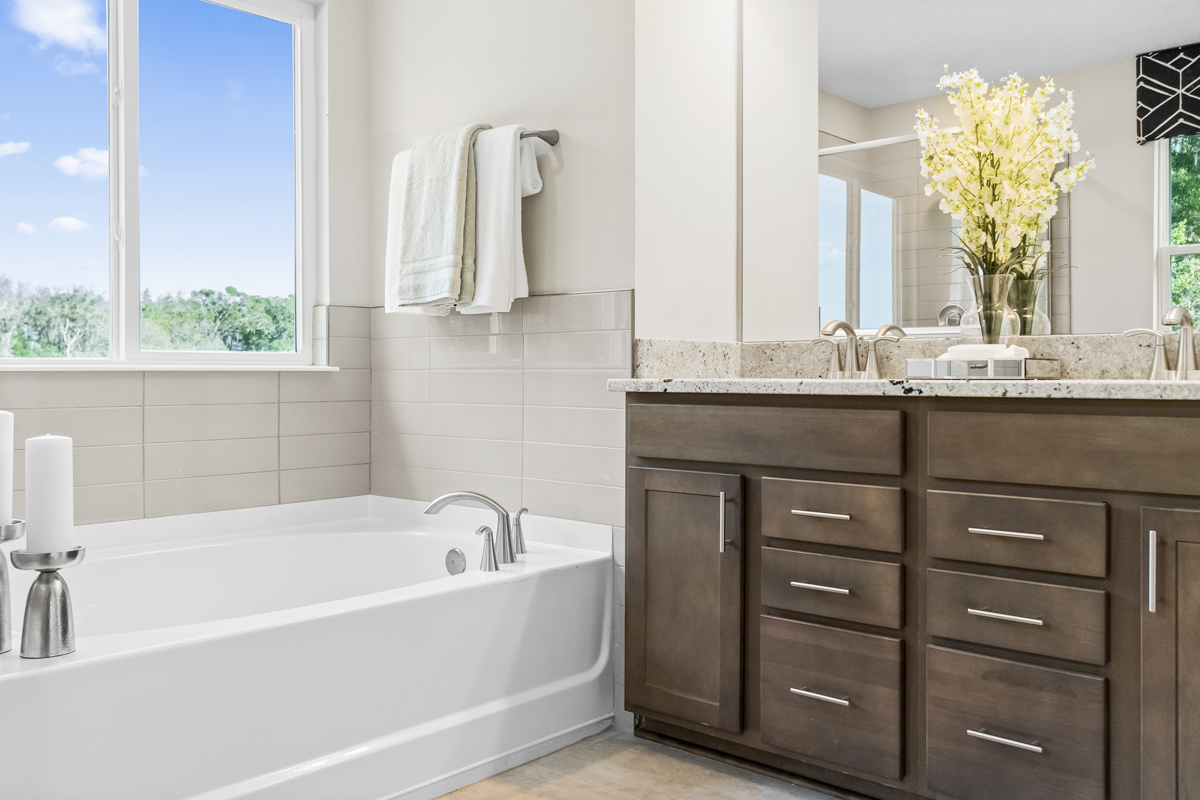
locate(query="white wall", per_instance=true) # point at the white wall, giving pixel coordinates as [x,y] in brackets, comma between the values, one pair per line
[843,119]
[686,96]
[347,251]
[1112,211]
[541,63]
[779,170]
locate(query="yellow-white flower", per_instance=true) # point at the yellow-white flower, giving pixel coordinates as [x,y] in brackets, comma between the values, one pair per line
[997,174]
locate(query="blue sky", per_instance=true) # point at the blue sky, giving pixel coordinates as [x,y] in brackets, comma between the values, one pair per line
[216,147]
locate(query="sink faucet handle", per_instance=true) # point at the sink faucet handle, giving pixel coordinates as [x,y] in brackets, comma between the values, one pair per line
[1158,368]
[835,358]
[872,371]
[488,562]
[518,537]
[1185,362]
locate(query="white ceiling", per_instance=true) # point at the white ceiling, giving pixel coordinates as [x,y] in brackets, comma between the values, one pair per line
[878,52]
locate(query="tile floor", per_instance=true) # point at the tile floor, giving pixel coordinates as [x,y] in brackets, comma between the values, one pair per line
[617,766]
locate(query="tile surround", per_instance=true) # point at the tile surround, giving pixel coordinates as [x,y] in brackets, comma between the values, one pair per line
[159,443]
[513,404]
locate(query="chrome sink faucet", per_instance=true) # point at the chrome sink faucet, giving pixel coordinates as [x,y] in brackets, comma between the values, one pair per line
[853,370]
[504,547]
[888,333]
[1185,361]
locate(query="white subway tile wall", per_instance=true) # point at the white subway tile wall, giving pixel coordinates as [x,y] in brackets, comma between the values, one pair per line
[515,406]
[158,443]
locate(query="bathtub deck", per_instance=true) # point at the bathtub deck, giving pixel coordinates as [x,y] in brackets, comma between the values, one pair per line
[616,766]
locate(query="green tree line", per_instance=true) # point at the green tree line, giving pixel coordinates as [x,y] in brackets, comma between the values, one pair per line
[41,322]
[1185,221]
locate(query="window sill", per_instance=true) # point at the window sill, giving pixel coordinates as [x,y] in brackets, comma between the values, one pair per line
[103,366]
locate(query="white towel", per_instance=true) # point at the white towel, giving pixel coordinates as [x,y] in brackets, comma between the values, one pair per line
[430,261]
[506,171]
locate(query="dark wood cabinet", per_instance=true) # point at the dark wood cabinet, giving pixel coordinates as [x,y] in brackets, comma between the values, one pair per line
[1170,654]
[943,599]
[683,621]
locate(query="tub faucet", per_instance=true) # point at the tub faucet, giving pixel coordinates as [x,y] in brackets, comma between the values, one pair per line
[504,547]
[853,370]
[1185,362]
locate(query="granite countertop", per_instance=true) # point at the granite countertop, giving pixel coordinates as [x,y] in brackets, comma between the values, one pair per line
[1064,389]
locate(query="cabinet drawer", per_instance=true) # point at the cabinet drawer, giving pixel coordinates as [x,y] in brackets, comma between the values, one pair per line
[833,586]
[837,439]
[833,695]
[1047,728]
[1050,535]
[1058,621]
[871,517]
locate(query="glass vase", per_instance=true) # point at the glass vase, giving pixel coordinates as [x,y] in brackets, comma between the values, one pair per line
[991,306]
[1023,299]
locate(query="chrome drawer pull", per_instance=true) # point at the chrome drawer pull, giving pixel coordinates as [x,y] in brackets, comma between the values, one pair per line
[818,514]
[1033,748]
[980,612]
[721,525]
[1152,565]
[840,701]
[1009,534]
[816,587]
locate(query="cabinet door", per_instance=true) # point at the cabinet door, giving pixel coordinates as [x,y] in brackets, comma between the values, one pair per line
[1170,654]
[683,614]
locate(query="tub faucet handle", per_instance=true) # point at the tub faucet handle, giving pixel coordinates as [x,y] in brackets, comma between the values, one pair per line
[488,563]
[518,537]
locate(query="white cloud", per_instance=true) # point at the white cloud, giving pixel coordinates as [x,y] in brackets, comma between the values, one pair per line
[70,69]
[71,23]
[25,229]
[68,224]
[88,162]
[12,148]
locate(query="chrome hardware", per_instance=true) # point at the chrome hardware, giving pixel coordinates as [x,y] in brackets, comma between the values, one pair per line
[835,359]
[488,562]
[872,371]
[982,612]
[1158,368]
[49,627]
[518,537]
[981,734]
[819,514]
[816,587]
[1185,361]
[1152,564]
[505,554]
[950,316]
[7,533]
[456,561]
[1010,534]
[853,371]
[550,137]
[721,524]
[840,701]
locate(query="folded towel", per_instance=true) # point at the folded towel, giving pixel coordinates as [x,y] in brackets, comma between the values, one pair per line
[430,261]
[506,168]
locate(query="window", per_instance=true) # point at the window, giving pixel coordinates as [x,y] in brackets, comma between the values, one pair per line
[156,181]
[1179,235]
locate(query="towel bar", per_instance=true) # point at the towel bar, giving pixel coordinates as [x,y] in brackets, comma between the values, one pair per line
[549,137]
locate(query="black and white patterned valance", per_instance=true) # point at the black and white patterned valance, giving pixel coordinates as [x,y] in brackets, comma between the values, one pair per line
[1168,93]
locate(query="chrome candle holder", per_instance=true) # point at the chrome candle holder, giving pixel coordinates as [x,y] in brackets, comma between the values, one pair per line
[49,628]
[14,530]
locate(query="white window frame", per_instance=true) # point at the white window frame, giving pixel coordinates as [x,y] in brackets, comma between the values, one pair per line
[124,265]
[1164,250]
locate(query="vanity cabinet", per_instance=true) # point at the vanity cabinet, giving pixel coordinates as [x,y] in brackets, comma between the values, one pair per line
[684,595]
[943,598]
[1171,654]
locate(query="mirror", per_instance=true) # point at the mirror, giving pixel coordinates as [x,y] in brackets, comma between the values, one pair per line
[1122,246]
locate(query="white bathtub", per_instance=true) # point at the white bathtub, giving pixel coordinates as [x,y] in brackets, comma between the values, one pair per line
[317,650]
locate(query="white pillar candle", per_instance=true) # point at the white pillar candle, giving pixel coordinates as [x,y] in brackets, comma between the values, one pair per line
[49,495]
[6,467]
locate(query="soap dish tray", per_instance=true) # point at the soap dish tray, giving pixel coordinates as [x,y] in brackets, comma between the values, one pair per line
[1011,369]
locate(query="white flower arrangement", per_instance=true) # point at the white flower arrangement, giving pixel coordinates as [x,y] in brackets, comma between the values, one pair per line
[997,174]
